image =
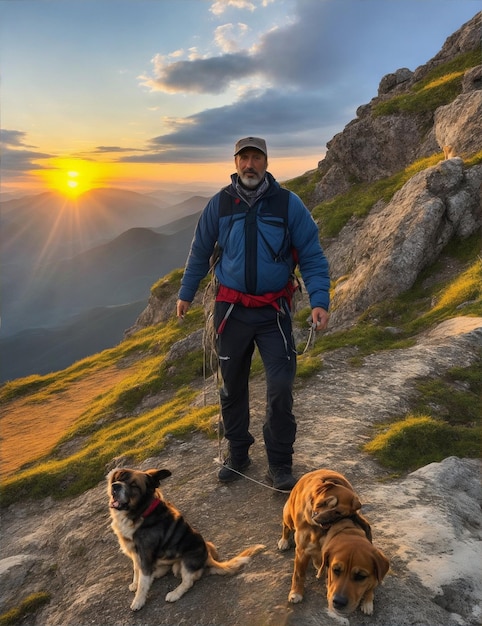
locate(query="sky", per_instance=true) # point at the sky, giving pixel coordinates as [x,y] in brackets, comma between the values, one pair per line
[146,94]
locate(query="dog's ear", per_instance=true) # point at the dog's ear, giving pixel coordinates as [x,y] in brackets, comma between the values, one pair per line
[320,490]
[112,472]
[157,475]
[325,562]
[355,503]
[364,525]
[382,564]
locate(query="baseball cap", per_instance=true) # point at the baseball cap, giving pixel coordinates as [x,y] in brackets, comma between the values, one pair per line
[251,142]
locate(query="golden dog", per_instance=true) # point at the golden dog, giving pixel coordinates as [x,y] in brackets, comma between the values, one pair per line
[318,500]
[354,567]
[154,534]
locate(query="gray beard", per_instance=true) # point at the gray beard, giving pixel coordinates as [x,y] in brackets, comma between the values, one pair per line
[252,195]
[250,183]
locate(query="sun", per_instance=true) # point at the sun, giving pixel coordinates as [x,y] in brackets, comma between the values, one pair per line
[72,177]
[72,180]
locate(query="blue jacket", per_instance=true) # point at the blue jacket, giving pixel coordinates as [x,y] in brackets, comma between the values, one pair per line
[263,261]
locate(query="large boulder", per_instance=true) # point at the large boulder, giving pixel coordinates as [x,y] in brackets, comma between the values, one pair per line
[383,255]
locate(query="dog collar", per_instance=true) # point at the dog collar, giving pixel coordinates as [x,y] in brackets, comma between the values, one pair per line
[152,507]
[327,525]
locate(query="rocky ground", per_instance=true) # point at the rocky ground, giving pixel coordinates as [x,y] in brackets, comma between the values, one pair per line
[427,524]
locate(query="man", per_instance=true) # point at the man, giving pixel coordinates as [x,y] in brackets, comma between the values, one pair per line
[260,232]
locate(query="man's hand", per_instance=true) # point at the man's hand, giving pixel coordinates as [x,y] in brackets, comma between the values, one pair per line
[319,318]
[182,308]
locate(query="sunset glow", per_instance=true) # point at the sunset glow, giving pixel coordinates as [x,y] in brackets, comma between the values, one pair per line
[73,177]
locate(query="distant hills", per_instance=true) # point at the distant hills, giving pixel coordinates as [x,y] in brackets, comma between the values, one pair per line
[44,350]
[65,258]
[49,226]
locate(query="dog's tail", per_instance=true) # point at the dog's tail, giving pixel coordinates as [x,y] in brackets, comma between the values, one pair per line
[228,568]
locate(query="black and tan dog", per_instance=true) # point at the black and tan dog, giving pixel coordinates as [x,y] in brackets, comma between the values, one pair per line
[318,500]
[354,568]
[155,535]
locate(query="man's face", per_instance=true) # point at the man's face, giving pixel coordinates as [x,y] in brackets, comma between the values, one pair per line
[251,166]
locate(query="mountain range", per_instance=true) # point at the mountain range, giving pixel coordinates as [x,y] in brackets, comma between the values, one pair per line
[66,264]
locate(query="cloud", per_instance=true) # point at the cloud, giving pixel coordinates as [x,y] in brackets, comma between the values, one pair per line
[13,138]
[228,36]
[14,155]
[114,149]
[296,55]
[213,75]
[302,73]
[220,6]
[208,135]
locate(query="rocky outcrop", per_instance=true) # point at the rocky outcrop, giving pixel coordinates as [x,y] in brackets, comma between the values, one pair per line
[458,124]
[367,150]
[465,39]
[384,254]
[157,311]
[372,147]
[391,81]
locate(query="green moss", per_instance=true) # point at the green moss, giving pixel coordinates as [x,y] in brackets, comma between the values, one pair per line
[304,186]
[308,365]
[455,397]
[418,440]
[423,101]
[27,607]
[167,285]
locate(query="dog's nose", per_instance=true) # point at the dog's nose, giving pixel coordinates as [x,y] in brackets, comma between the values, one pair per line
[116,487]
[339,602]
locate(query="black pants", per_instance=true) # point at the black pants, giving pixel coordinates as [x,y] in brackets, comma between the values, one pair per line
[271,332]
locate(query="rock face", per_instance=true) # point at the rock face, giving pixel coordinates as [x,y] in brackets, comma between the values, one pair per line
[367,150]
[391,81]
[372,147]
[459,125]
[383,255]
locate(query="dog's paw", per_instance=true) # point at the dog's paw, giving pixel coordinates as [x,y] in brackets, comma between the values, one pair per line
[137,604]
[133,587]
[295,597]
[283,544]
[172,596]
[366,607]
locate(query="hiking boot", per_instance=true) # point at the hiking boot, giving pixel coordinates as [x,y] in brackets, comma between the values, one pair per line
[281,477]
[229,471]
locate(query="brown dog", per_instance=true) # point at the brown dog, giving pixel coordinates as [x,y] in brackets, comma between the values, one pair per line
[318,500]
[354,567]
[154,534]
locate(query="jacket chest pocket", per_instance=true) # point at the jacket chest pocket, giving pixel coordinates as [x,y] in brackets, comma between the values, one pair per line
[273,236]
